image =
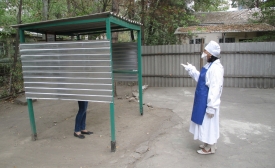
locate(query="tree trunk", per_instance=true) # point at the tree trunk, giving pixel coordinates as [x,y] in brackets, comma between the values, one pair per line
[257,4]
[45,13]
[115,9]
[142,21]
[131,14]
[104,5]
[19,21]
[69,7]
[45,9]
[16,53]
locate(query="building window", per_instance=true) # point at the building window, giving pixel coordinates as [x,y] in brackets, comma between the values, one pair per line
[195,41]
[227,40]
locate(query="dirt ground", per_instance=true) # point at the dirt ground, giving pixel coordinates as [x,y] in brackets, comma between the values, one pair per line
[57,147]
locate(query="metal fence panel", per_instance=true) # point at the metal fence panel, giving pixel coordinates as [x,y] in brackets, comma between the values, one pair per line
[67,71]
[161,64]
[247,65]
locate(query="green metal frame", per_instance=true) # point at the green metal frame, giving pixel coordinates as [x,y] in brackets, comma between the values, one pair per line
[29,101]
[108,21]
[139,72]
[64,23]
[123,23]
[119,30]
[112,19]
[112,108]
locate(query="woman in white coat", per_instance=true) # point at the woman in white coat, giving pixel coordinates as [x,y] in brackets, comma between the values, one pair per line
[205,115]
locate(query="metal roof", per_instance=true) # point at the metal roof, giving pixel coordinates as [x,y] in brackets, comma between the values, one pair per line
[263,27]
[88,24]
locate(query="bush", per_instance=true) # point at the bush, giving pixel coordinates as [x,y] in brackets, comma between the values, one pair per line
[17,84]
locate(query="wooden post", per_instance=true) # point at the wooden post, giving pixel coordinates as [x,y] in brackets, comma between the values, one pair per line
[202,48]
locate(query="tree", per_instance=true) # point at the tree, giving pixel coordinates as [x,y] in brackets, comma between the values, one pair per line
[131,14]
[245,3]
[142,20]
[267,12]
[161,19]
[210,5]
[266,15]
[14,68]
[11,13]
[263,13]
[45,9]
[115,9]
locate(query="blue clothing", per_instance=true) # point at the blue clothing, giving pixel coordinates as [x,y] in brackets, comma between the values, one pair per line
[200,101]
[80,120]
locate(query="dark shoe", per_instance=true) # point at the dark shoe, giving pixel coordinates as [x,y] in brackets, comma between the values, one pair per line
[88,132]
[79,136]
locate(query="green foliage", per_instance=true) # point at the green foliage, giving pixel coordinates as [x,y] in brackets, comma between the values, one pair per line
[32,11]
[6,71]
[17,75]
[162,18]
[7,17]
[4,78]
[2,11]
[244,3]
[210,5]
[266,14]
[266,37]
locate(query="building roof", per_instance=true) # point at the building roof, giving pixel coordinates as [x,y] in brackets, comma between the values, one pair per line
[226,17]
[263,27]
[95,23]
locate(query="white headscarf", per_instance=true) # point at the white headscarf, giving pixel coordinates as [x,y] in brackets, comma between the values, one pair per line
[213,48]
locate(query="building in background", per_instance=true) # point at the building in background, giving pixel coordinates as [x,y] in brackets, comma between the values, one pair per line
[223,27]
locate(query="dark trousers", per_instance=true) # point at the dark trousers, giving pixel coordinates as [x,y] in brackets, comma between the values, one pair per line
[80,119]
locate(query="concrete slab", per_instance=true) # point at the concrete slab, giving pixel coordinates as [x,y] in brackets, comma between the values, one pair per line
[247,129]
[158,139]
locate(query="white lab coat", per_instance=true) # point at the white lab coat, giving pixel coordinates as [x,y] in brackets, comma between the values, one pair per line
[209,131]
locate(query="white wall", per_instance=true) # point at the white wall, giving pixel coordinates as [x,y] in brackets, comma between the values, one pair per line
[210,36]
[216,36]
[207,37]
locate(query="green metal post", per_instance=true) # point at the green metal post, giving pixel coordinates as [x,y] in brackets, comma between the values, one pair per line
[29,101]
[22,36]
[113,127]
[32,119]
[140,73]
[112,109]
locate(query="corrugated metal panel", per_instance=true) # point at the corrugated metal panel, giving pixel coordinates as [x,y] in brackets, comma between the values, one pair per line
[251,67]
[247,65]
[161,68]
[67,71]
[125,59]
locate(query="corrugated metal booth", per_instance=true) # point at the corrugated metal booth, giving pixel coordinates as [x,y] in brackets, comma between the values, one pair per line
[80,70]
